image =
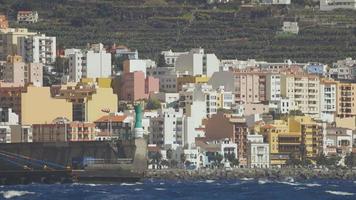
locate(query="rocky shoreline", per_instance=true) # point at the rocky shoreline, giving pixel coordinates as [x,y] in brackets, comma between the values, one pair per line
[271,174]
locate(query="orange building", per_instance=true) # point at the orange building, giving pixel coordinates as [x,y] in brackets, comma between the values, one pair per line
[4,23]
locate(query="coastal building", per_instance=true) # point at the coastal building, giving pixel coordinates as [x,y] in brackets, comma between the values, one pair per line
[304,91]
[37,49]
[197,62]
[62,132]
[114,126]
[21,133]
[257,152]
[47,108]
[87,100]
[346,94]
[27,17]
[136,65]
[18,72]
[221,126]
[273,87]
[298,136]
[337,141]
[250,87]
[195,113]
[328,99]
[167,128]
[201,92]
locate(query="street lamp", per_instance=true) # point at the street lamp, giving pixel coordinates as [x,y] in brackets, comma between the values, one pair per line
[107,110]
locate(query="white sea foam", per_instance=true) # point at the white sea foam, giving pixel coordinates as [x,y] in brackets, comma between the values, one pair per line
[138,189]
[209,181]
[312,185]
[161,183]
[160,189]
[263,181]
[289,183]
[13,193]
[340,193]
[139,183]
[246,179]
[128,184]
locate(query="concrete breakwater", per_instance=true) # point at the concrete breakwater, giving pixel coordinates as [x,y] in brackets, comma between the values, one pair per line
[273,174]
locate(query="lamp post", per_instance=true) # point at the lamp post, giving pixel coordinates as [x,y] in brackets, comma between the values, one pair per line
[107,110]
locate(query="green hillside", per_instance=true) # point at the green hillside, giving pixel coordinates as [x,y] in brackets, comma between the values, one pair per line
[231,31]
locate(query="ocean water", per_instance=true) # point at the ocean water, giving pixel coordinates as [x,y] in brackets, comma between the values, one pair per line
[248,189]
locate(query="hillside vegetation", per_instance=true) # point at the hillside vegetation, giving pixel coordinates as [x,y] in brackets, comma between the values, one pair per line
[231,31]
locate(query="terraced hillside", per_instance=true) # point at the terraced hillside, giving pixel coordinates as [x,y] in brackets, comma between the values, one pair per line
[230,31]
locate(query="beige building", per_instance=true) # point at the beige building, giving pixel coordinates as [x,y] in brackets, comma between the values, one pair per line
[38,107]
[8,40]
[346,96]
[18,72]
[303,90]
[250,87]
[73,131]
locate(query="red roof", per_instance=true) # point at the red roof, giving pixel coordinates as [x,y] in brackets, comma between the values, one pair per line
[112,118]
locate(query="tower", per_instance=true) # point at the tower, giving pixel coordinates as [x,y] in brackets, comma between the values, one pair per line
[138,121]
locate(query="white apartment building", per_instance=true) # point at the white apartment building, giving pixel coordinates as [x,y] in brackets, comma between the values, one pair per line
[327,5]
[138,65]
[27,17]
[196,62]
[199,92]
[273,87]
[290,27]
[167,78]
[37,49]
[76,62]
[257,152]
[328,99]
[92,63]
[167,128]
[170,57]
[195,113]
[97,63]
[304,91]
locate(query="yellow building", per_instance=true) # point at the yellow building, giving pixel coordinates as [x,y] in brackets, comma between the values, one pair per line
[89,101]
[299,136]
[182,80]
[346,96]
[101,82]
[38,107]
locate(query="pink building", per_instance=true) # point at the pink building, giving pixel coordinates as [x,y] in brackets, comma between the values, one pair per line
[135,86]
